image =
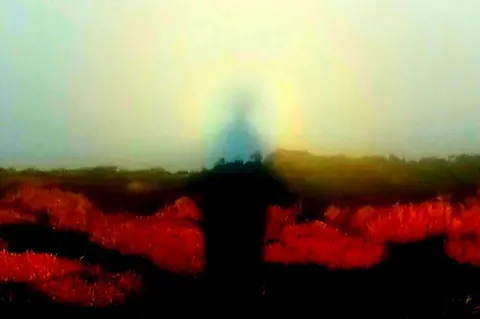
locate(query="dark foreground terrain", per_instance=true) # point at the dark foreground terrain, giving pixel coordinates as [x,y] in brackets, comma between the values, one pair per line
[418,277]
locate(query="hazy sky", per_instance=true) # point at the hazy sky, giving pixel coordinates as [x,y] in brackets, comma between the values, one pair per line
[138,82]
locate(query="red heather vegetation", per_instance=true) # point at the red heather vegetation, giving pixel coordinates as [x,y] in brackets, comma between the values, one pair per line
[357,239]
[173,240]
[170,238]
[60,279]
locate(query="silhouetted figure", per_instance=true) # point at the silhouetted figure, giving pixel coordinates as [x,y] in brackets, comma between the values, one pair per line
[235,213]
[237,140]
[241,139]
[235,200]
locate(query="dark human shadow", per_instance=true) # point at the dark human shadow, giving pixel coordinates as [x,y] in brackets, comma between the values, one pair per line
[235,195]
[234,202]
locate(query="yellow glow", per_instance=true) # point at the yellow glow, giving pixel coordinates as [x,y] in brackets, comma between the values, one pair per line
[139,79]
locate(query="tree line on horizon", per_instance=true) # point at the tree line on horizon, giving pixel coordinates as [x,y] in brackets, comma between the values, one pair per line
[333,176]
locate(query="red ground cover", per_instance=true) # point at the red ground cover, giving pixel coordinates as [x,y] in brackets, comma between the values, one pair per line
[170,238]
[173,240]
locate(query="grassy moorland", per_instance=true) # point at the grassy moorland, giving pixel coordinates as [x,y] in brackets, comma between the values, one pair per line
[351,236]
